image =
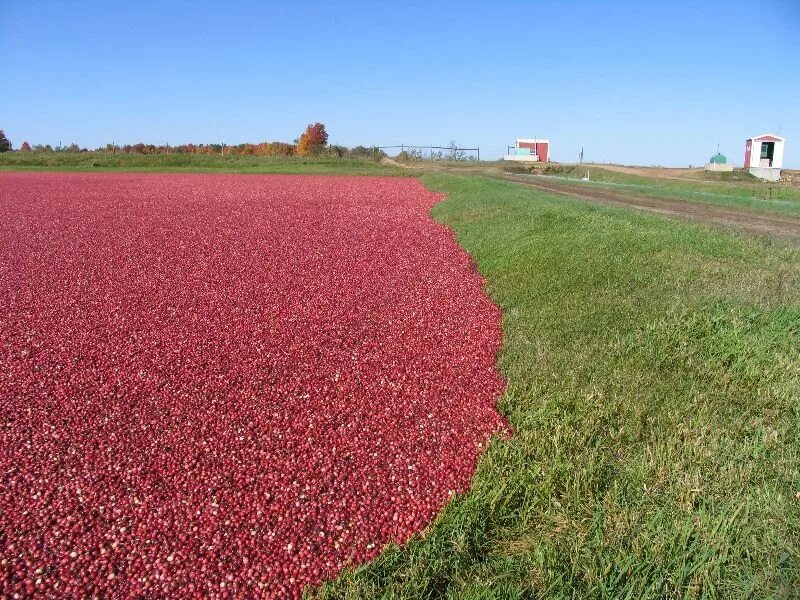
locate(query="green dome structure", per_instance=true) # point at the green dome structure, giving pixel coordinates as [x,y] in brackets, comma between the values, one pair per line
[718,159]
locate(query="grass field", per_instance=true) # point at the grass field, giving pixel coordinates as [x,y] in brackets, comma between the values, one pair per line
[193,163]
[653,375]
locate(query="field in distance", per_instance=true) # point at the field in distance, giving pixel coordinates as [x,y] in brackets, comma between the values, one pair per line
[194,163]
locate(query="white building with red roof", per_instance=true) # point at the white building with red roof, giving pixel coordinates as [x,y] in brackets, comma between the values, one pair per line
[763,155]
[529,150]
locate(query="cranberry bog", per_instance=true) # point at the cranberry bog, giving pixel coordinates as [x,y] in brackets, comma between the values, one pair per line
[222,385]
[242,385]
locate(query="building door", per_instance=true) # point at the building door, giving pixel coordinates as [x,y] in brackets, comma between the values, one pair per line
[767,153]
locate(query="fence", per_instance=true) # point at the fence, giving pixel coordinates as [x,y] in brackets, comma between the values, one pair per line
[451,152]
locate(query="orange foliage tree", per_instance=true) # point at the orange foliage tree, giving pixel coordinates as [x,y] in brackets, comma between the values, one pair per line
[312,140]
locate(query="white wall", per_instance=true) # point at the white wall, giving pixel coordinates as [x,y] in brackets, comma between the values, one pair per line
[777,158]
[755,154]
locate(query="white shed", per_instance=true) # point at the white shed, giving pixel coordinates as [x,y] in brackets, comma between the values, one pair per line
[763,155]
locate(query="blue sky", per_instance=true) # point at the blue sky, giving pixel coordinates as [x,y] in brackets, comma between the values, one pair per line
[633,82]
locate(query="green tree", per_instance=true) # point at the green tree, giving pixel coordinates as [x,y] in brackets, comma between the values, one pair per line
[5,145]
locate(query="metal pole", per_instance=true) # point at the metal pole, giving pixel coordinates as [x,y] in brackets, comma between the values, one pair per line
[479,154]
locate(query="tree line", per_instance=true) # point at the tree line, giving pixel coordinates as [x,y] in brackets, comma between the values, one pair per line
[312,142]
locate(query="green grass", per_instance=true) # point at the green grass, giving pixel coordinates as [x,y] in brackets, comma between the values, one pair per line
[653,372]
[103,161]
[722,189]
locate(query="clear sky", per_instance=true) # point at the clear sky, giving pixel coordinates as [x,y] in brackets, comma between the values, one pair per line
[645,82]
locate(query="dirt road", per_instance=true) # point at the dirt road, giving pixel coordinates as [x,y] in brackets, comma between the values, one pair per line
[745,220]
[783,226]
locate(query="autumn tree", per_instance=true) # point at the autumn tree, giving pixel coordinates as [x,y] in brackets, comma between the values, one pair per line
[26,147]
[312,140]
[5,145]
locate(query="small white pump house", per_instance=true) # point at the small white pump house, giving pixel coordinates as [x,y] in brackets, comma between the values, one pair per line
[763,156]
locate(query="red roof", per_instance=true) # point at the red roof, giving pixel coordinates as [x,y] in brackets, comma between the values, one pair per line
[767,137]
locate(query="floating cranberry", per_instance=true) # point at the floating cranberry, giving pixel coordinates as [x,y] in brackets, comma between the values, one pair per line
[229,386]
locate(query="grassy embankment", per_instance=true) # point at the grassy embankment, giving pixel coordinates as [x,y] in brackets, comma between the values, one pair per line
[653,372]
[740,190]
[193,163]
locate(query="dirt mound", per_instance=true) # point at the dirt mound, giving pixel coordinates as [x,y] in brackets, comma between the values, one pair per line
[791,178]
